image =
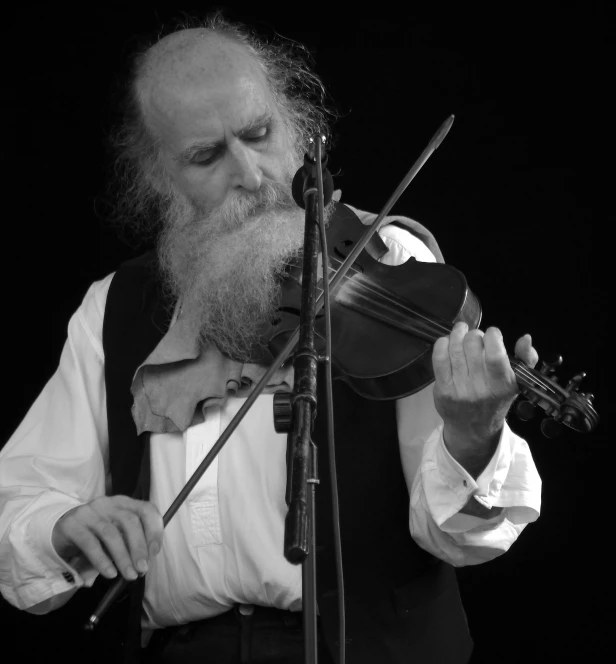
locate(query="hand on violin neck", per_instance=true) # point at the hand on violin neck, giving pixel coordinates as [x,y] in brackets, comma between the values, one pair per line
[474,388]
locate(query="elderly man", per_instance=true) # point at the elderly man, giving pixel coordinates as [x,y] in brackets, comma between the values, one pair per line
[158,361]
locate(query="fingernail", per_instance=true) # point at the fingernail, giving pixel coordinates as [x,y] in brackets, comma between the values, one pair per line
[154,549]
[111,572]
[130,573]
[142,566]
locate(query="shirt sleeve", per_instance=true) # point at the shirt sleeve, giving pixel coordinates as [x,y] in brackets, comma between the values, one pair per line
[402,245]
[439,487]
[55,460]
[412,236]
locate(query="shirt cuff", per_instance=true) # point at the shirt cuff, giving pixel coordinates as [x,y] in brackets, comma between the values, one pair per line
[78,572]
[510,480]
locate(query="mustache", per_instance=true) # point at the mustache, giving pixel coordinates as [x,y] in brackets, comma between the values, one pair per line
[241,206]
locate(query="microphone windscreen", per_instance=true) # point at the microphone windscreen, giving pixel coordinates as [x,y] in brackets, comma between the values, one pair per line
[297,188]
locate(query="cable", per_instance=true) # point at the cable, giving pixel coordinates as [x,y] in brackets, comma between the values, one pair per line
[331,448]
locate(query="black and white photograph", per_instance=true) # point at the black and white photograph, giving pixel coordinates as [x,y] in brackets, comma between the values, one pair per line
[306,332]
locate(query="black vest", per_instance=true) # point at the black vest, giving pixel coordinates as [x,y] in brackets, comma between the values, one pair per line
[402,604]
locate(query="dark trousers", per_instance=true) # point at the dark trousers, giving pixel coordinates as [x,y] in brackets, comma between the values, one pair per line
[267,635]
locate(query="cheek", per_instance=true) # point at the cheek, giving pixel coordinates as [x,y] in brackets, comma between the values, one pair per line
[279,165]
[205,191]
[279,160]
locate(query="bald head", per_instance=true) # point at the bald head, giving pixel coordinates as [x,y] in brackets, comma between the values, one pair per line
[198,48]
[188,64]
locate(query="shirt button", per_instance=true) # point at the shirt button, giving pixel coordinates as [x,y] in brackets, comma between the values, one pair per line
[464,482]
[68,577]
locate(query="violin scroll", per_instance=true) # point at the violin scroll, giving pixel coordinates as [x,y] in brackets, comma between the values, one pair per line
[563,405]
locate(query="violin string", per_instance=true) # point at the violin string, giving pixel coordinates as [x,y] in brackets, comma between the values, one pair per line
[425,335]
[353,297]
[530,379]
[434,330]
[384,296]
[523,373]
[530,376]
[526,376]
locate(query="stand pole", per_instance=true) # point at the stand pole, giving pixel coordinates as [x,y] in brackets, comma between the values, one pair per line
[309,573]
[300,531]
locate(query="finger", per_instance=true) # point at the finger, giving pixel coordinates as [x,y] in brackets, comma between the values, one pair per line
[524,351]
[498,368]
[89,545]
[111,538]
[134,537]
[152,521]
[474,354]
[153,528]
[457,356]
[441,362]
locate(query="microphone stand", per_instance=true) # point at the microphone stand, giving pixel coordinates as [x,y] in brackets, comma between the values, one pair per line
[300,529]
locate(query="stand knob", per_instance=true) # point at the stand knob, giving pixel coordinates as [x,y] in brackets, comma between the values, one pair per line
[283,412]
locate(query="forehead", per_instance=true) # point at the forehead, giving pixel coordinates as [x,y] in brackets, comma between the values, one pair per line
[202,91]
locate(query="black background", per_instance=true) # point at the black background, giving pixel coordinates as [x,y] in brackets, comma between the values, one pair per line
[512,196]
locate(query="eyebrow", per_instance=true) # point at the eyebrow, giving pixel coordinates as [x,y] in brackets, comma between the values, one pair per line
[260,121]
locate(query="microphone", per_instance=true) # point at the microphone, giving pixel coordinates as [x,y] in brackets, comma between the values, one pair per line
[308,170]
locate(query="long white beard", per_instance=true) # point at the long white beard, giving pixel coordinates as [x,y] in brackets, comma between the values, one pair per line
[224,266]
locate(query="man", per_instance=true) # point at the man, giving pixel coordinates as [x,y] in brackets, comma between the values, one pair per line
[157,362]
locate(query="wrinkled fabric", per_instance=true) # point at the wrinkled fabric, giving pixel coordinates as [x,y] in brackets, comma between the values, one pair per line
[177,382]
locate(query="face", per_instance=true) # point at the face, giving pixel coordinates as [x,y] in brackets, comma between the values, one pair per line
[219,129]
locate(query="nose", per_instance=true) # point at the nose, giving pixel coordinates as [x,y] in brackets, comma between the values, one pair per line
[246,173]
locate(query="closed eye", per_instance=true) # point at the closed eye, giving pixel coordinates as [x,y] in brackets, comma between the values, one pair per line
[209,155]
[206,157]
[257,134]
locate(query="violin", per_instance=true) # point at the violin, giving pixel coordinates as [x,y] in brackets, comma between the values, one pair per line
[385,320]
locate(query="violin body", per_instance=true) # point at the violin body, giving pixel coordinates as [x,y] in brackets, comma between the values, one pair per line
[381,348]
[372,314]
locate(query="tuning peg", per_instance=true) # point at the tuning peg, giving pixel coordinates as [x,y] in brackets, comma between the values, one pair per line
[525,410]
[589,397]
[549,366]
[551,428]
[575,381]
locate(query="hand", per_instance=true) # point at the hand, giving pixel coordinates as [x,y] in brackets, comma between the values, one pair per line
[115,533]
[475,385]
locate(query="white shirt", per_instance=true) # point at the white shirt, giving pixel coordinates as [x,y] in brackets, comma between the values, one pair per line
[224,546]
